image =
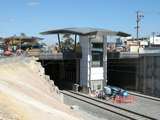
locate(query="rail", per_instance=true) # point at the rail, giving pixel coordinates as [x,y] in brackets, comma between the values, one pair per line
[107,106]
[144,96]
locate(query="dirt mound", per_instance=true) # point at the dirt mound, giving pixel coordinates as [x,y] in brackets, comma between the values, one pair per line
[27,94]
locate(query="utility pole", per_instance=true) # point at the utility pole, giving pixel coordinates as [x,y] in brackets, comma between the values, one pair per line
[139,16]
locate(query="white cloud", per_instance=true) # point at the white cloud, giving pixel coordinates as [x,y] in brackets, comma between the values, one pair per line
[33,3]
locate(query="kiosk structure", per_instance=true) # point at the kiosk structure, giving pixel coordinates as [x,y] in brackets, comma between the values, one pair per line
[91,70]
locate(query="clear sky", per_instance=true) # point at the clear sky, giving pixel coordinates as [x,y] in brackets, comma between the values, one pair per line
[34,16]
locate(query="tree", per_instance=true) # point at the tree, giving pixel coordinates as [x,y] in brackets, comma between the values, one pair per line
[67,44]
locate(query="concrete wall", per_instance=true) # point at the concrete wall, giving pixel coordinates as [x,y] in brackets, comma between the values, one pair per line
[148,75]
[96,84]
[122,72]
[87,73]
[155,40]
[97,73]
[140,74]
[96,78]
[84,62]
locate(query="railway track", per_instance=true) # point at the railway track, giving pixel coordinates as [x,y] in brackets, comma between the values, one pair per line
[128,114]
[144,96]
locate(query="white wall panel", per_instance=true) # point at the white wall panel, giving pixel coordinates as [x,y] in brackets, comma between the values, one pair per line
[97,73]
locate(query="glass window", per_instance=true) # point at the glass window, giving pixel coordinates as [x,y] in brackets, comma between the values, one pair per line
[97,45]
[97,54]
[97,59]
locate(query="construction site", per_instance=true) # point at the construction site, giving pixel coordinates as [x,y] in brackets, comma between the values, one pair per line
[81,78]
[79,60]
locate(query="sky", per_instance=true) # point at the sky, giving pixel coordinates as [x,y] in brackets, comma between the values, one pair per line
[34,16]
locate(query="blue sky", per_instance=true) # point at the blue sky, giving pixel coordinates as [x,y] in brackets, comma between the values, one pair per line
[34,16]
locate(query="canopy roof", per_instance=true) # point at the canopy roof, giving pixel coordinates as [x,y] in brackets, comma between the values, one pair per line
[85,31]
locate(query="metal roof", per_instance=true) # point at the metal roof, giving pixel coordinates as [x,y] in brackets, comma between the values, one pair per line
[23,38]
[85,31]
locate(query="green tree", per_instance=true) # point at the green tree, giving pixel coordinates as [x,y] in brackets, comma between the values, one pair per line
[67,43]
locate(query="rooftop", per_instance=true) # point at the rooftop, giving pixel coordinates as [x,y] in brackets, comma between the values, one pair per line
[85,31]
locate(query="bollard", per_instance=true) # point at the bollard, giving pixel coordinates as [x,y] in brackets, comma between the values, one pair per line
[75,87]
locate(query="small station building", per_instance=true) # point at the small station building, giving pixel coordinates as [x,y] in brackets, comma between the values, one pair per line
[85,63]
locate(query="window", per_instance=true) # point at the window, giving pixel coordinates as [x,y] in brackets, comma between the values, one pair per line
[97,45]
[97,54]
[97,59]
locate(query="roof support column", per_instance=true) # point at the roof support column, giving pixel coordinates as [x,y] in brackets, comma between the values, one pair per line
[104,61]
[59,42]
[89,63]
[75,42]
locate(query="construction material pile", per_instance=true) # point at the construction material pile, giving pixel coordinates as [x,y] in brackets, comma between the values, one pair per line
[26,93]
